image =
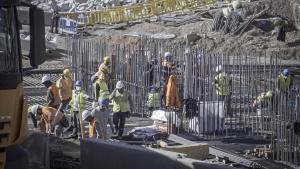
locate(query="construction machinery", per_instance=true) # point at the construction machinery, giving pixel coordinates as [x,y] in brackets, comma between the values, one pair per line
[13,113]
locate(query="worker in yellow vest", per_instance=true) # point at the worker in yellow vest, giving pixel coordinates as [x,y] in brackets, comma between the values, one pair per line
[153,100]
[77,104]
[285,81]
[122,107]
[223,83]
[65,86]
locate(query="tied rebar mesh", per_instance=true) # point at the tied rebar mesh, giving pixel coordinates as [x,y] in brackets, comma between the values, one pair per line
[140,66]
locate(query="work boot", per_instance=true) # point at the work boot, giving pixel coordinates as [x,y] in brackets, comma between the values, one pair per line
[68,129]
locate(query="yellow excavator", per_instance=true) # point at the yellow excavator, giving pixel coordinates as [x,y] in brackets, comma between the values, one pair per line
[13,104]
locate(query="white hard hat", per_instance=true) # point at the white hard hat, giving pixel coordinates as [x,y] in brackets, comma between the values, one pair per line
[45,78]
[236,4]
[219,68]
[119,85]
[34,109]
[168,54]
[86,114]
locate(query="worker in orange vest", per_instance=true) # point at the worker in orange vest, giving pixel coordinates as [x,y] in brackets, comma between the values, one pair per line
[53,99]
[42,118]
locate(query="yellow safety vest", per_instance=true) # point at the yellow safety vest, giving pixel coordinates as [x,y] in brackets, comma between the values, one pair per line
[222,82]
[154,100]
[80,101]
[121,102]
[284,82]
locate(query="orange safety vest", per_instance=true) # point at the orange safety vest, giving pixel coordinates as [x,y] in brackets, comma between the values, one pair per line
[48,114]
[92,129]
[172,94]
[55,93]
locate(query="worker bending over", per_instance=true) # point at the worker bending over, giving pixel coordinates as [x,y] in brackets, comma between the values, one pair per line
[223,82]
[52,97]
[153,100]
[42,118]
[97,119]
[122,107]
[77,105]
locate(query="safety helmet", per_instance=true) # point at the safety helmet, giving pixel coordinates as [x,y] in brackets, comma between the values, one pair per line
[269,94]
[94,78]
[106,59]
[103,102]
[236,4]
[286,72]
[45,79]
[168,55]
[219,68]
[119,85]
[86,114]
[78,83]
[67,72]
[34,109]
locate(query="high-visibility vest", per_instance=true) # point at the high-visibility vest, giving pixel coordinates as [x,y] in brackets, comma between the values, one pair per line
[80,97]
[54,91]
[104,92]
[222,82]
[284,82]
[65,87]
[172,93]
[154,100]
[121,102]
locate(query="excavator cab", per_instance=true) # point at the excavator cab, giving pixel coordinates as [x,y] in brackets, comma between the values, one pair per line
[13,104]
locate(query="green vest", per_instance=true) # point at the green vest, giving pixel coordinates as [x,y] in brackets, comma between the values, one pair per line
[104,92]
[222,82]
[154,100]
[121,102]
[80,101]
[284,82]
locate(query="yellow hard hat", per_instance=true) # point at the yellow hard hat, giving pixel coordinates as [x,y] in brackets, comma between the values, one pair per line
[106,59]
[67,72]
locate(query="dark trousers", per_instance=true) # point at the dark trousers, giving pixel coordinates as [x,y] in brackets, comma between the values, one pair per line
[227,105]
[76,122]
[63,105]
[119,122]
[54,24]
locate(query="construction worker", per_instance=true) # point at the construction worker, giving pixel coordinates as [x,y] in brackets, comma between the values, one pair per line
[101,114]
[104,70]
[95,90]
[167,67]
[261,104]
[96,129]
[285,81]
[223,83]
[42,118]
[122,107]
[53,99]
[77,105]
[64,85]
[154,99]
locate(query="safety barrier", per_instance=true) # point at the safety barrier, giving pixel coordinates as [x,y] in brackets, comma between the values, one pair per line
[120,14]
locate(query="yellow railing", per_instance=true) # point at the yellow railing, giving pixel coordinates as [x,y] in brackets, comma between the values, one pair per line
[135,12]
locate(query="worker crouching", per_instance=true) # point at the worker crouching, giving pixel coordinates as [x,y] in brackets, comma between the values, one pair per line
[42,118]
[97,119]
[122,106]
